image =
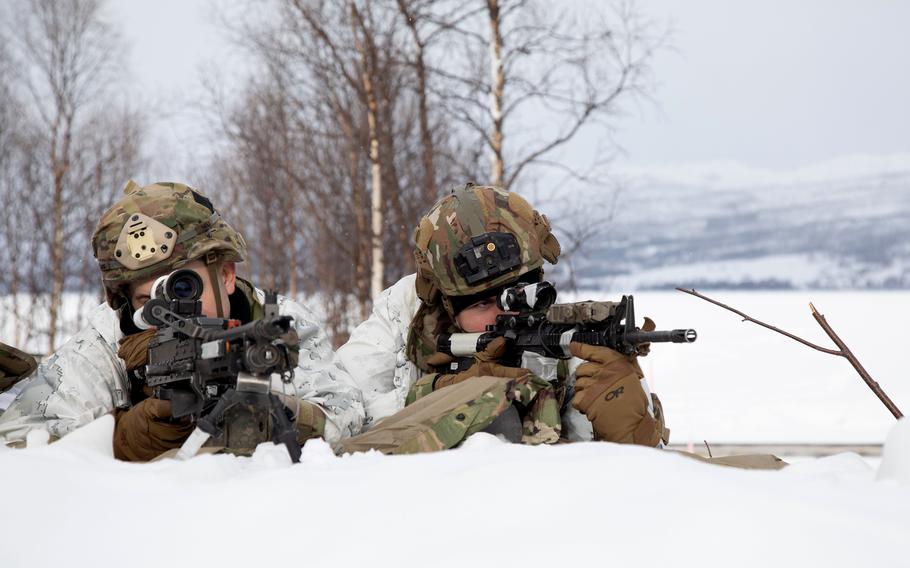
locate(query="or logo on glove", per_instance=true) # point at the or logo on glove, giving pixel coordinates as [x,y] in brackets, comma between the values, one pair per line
[608,391]
[614,394]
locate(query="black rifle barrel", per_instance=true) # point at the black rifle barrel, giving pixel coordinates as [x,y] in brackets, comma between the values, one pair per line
[548,339]
[669,336]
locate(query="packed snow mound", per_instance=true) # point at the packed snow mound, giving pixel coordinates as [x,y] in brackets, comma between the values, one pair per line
[896,454]
[96,436]
[486,504]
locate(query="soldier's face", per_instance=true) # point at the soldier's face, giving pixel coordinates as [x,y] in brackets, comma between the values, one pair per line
[227,273]
[478,316]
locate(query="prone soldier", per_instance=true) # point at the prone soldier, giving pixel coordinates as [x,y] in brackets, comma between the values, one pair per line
[152,231]
[472,245]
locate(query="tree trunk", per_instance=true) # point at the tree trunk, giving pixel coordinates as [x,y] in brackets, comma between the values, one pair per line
[377,266]
[423,113]
[14,293]
[376,214]
[497,85]
[59,167]
[426,137]
[358,250]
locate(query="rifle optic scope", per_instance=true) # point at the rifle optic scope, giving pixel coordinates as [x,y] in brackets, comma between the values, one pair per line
[527,297]
[179,291]
[183,284]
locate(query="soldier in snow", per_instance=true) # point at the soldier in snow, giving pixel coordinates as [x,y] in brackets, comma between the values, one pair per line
[392,356]
[150,232]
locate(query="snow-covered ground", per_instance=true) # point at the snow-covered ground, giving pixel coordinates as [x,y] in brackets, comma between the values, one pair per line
[484,504]
[492,504]
[739,383]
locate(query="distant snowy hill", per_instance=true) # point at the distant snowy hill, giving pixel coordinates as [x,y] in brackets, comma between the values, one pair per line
[842,225]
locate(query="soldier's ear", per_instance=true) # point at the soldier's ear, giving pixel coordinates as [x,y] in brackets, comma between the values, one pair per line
[228,274]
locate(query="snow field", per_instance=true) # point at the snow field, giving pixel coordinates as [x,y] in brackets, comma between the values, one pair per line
[740,383]
[485,504]
[491,504]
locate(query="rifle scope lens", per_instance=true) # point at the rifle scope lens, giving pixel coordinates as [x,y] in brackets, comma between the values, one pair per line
[183,284]
[183,289]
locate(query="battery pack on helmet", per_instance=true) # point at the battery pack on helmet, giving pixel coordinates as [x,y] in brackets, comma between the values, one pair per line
[487,256]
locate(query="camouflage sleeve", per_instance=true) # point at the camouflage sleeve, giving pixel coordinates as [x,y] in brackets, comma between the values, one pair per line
[77,384]
[318,380]
[375,353]
[421,388]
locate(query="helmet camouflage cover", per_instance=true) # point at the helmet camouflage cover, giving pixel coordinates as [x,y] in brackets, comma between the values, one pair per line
[158,228]
[478,238]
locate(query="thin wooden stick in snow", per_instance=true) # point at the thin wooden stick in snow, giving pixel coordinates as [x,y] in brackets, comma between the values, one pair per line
[842,351]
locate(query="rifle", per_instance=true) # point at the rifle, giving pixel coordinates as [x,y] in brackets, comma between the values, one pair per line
[216,370]
[535,323]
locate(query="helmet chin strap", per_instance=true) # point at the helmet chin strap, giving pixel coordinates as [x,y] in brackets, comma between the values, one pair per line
[212,265]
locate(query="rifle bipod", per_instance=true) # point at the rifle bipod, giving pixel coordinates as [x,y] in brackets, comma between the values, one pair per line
[248,429]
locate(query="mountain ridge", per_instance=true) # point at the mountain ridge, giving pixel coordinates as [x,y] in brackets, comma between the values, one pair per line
[831,226]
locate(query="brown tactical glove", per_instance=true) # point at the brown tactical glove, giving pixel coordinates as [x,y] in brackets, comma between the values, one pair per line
[608,391]
[484,365]
[134,349]
[147,430]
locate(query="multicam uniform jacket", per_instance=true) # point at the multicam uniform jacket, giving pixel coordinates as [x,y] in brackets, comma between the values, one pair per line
[376,357]
[85,379]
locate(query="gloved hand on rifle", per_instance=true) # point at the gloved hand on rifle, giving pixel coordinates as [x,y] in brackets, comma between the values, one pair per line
[147,430]
[609,391]
[485,364]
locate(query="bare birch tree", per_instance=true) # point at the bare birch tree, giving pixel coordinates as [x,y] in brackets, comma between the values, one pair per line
[68,61]
[338,85]
[13,224]
[533,76]
[367,55]
[362,111]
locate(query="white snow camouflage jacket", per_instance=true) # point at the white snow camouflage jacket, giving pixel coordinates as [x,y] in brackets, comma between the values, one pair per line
[85,379]
[376,357]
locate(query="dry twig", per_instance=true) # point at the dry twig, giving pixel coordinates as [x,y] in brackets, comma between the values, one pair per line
[841,351]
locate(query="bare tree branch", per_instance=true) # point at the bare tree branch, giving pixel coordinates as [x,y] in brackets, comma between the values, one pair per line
[842,351]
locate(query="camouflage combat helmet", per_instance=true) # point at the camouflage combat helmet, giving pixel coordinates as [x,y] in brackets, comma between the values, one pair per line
[155,229]
[478,238]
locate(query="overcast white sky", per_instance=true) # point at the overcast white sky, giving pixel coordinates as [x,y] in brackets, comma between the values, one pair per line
[773,84]
[778,83]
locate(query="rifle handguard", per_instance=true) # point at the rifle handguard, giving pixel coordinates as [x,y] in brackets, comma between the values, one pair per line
[549,328]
